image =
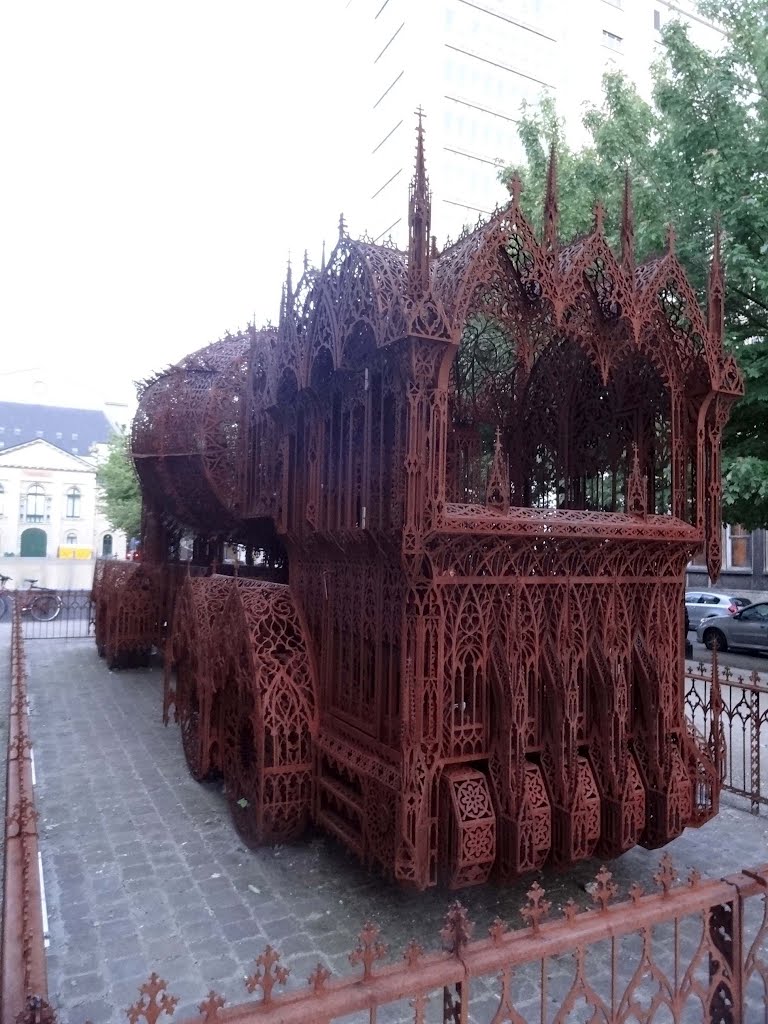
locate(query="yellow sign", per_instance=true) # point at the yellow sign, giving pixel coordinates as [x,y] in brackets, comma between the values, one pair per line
[69,551]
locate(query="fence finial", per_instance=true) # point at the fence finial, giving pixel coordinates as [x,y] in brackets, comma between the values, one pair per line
[369,950]
[536,909]
[264,977]
[457,930]
[151,1008]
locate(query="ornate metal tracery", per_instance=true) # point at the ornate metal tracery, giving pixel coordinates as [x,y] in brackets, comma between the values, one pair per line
[482,473]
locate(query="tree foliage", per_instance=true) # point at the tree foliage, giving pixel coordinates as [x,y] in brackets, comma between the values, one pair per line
[698,150]
[121,498]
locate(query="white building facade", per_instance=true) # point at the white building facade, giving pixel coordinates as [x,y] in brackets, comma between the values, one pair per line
[470,64]
[51,527]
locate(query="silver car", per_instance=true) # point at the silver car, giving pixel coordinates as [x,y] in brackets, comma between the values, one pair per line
[748,628]
[701,603]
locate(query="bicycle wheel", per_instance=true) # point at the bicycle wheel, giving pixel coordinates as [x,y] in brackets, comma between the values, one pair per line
[45,607]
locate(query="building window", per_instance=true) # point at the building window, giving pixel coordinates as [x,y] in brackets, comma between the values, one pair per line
[39,433]
[106,546]
[73,503]
[74,450]
[59,435]
[71,538]
[35,509]
[17,431]
[738,548]
[74,437]
[657,20]
[612,41]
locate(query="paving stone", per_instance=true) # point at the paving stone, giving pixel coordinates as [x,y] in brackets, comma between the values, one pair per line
[129,968]
[74,988]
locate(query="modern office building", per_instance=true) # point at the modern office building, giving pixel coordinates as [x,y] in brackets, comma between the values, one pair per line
[470,64]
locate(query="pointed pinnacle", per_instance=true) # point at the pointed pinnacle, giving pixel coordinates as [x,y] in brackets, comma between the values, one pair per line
[551,209]
[515,187]
[671,239]
[716,243]
[628,228]
[421,172]
[599,215]
[342,226]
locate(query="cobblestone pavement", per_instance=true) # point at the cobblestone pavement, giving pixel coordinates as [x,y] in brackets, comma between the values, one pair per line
[144,871]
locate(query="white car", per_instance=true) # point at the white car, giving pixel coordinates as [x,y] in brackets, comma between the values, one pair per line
[702,603]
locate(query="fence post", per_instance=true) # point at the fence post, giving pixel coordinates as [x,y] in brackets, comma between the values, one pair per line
[725,933]
[754,745]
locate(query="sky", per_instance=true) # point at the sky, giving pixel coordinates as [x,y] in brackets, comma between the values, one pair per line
[161,158]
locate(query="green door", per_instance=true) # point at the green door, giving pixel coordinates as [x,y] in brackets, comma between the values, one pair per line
[34,543]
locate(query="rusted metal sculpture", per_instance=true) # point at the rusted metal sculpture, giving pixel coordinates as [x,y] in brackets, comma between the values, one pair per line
[479,475]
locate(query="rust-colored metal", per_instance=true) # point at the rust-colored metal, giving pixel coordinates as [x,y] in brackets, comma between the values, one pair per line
[482,473]
[695,950]
[23,978]
[727,714]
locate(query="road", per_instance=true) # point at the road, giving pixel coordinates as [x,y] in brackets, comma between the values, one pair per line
[742,662]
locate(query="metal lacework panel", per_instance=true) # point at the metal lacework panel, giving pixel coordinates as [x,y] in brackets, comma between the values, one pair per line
[685,954]
[268,714]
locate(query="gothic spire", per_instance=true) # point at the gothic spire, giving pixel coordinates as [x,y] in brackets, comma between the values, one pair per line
[598,213]
[419,218]
[716,288]
[497,486]
[628,230]
[671,239]
[515,187]
[551,208]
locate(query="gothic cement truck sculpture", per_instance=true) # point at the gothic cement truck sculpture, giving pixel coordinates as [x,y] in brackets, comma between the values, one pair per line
[465,486]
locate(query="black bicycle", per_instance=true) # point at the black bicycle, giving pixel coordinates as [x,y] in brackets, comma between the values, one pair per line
[42,603]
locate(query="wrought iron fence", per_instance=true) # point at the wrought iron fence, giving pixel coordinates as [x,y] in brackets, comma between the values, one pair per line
[690,952]
[49,614]
[686,954]
[743,713]
[23,974]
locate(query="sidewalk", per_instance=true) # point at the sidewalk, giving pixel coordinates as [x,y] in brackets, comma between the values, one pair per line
[143,870]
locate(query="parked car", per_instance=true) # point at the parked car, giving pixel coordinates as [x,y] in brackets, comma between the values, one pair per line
[748,628]
[701,603]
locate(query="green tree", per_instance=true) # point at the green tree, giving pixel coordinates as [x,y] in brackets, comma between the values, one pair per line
[697,150]
[121,498]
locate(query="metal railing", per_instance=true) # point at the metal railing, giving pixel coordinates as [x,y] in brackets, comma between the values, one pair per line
[743,714]
[50,614]
[23,974]
[696,952]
